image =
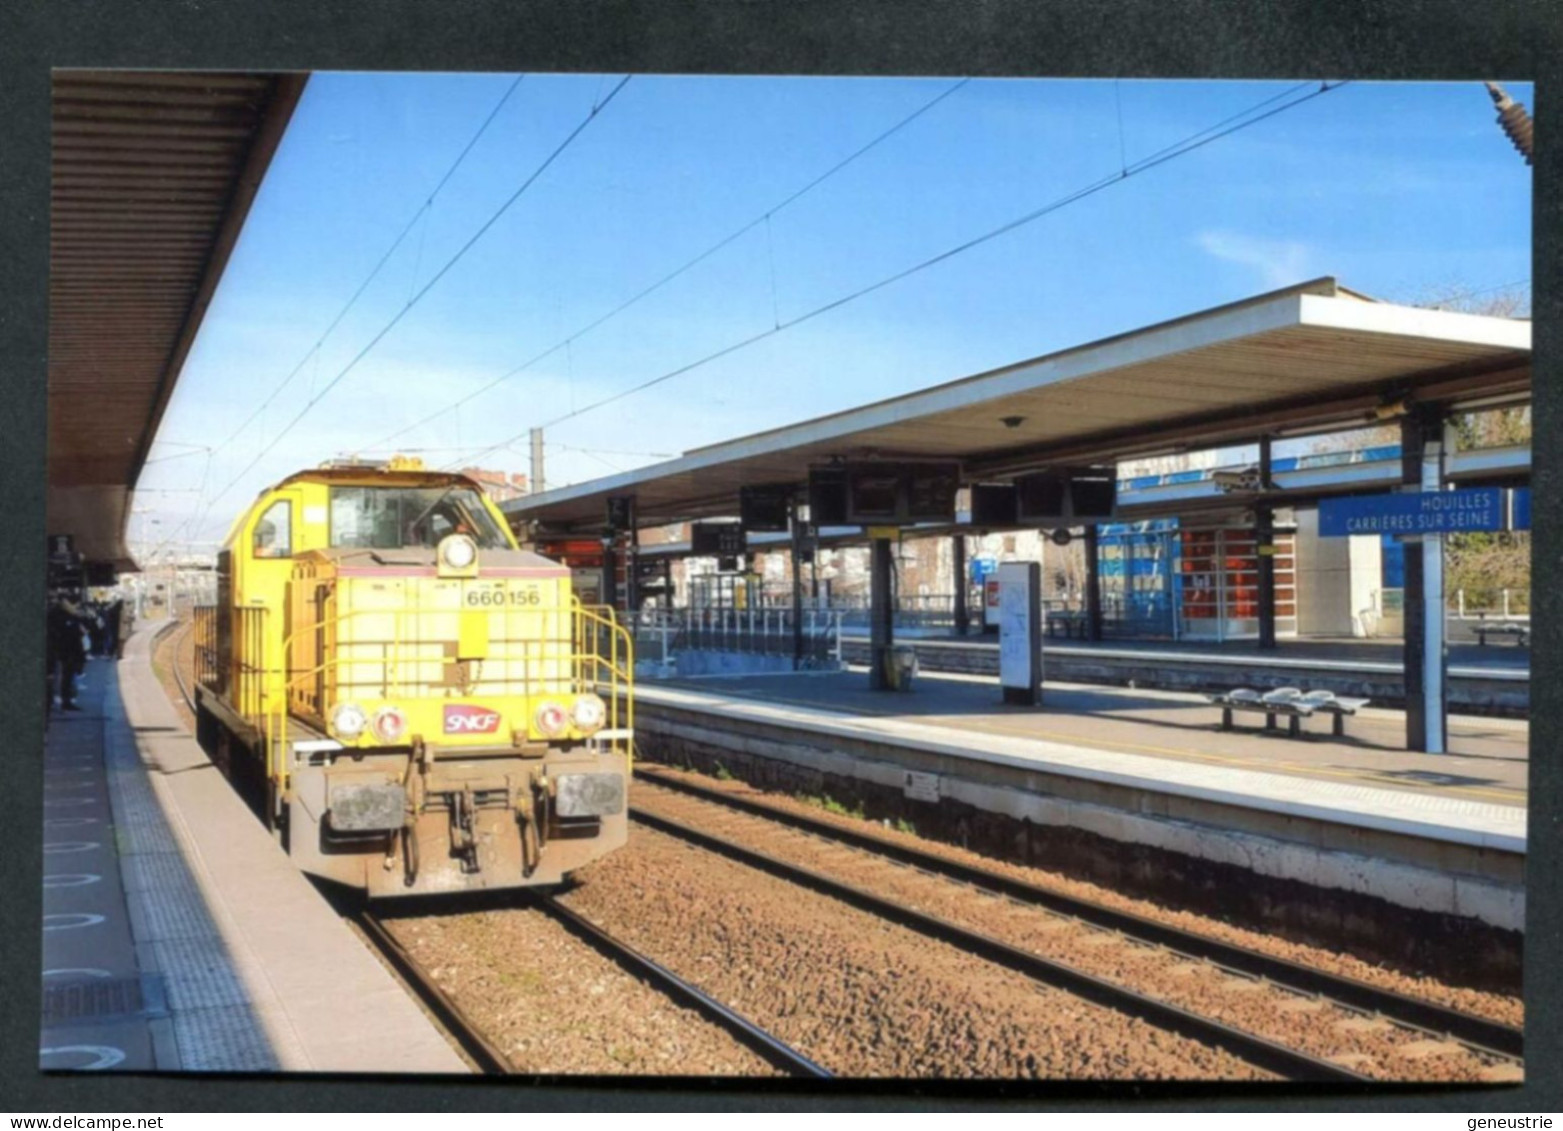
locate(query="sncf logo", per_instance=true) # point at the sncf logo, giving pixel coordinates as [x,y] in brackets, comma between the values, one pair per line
[461,718]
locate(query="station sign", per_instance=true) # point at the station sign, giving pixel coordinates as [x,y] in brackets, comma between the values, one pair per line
[982,567]
[1414,512]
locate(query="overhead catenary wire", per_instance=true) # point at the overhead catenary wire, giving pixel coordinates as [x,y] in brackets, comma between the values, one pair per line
[471,241]
[1252,116]
[374,272]
[380,264]
[567,343]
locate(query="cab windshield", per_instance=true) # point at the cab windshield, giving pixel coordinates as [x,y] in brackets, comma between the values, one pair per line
[389,518]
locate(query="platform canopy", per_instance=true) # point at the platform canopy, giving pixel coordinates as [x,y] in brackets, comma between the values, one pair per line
[153,175]
[1307,358]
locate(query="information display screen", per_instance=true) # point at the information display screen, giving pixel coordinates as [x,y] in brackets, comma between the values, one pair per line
[993,504]
[716,539]
[765,507]
[899,493]
[930,492]
[1092,499]
[873,493]
[828,496]
[1040,499]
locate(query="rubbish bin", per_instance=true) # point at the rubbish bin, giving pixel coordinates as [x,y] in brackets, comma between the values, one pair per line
[902,662]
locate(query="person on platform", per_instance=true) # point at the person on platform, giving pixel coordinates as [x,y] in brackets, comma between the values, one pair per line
[67,653]
[113,621]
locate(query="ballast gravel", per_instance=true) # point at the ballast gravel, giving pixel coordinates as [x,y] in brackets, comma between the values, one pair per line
[1506,1008]
[859,995]
[1319,1028]
[554,1005]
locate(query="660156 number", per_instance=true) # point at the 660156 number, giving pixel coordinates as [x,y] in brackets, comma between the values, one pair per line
[494,597]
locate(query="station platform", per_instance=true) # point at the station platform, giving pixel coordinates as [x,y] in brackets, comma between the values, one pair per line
[1442,834]
[1488,761]
[177,936]
[1492,679]
[1465,655]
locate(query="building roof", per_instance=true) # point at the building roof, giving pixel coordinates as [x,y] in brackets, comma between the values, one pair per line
[1308,356]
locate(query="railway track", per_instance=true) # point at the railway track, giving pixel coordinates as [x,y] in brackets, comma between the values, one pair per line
[491,1061]
[181,679]
[1371,1005]
[466,1035]
[775,1051]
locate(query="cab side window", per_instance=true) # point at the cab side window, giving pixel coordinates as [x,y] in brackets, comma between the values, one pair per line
[273,537]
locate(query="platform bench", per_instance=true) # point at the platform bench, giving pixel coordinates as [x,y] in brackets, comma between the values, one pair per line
[1288,701]
[1505,628]
[1071,624]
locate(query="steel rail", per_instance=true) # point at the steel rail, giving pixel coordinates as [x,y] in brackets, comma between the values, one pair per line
[772,1049]
[1262,1053]
[1479,1032]
[178,669]
[488,1058]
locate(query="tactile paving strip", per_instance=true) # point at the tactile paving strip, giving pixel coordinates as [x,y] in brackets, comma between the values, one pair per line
[171,905]
[204,969]
[210,1041]
[214,1027]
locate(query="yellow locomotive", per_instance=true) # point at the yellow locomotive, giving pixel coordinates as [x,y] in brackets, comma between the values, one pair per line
[411,701]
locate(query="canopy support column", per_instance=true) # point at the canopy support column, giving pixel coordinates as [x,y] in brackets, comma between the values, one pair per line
[1427,699]
[1264,539]
[1093,585]
[881,612]
[962,586]
[796,528]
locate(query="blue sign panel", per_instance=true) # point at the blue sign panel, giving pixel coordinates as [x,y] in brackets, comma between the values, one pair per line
[1521,508]
[1423,512]
[983,567]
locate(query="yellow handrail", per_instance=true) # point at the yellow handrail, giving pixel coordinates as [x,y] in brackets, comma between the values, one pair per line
[587,668]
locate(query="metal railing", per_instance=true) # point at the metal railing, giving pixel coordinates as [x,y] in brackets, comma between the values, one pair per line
[404,660]
[1465,604]
[660,634]
[1481,604]
[204,626]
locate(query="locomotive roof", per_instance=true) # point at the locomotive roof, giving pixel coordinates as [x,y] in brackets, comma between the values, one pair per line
[379,476]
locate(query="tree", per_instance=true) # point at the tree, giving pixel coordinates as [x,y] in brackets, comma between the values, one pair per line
[1485,564]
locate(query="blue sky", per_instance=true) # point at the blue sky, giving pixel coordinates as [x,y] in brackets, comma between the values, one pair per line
[1401,190]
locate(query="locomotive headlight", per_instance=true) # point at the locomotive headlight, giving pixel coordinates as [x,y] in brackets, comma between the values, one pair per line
[550,719]
[458,551]
[389,723]
[589,714]
[348,720]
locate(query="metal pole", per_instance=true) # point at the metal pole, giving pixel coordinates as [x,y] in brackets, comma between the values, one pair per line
[881,617]
[610,566]
[536,487]
[1421,453]
[1264,547]
[962,615]
[1433,657]
[1093,586]
[797,588]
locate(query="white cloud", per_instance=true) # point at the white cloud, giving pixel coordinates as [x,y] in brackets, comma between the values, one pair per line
[1279,262]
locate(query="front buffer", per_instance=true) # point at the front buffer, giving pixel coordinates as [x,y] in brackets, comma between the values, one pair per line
[424,821]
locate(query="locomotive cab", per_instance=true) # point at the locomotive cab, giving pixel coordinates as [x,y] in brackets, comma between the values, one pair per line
[416,702]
